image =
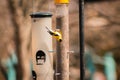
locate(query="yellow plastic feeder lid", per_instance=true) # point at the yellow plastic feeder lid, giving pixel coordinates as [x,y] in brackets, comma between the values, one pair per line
[61,1]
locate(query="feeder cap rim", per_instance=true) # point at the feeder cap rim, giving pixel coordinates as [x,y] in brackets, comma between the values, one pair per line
[40,14]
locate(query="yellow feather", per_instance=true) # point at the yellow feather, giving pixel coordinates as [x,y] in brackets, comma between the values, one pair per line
[56,34]
[59,37]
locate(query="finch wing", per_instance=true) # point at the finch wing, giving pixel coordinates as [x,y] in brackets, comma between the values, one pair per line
[50,32]
[55,34]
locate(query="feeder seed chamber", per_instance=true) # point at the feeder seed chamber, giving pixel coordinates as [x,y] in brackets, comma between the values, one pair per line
[42,58]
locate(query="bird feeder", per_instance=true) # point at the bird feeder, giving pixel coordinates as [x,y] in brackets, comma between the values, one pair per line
[42,57]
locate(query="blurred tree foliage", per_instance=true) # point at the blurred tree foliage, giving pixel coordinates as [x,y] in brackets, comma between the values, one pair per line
[15,26]
[102,28]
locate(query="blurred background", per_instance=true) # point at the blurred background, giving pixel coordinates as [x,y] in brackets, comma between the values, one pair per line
[101,31]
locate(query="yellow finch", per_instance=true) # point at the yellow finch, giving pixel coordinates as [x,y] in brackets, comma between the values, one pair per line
[56,34]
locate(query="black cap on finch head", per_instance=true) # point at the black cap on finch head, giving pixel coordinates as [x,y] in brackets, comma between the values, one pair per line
[60,40]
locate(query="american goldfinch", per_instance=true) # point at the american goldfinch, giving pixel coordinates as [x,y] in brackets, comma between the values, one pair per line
[56,34]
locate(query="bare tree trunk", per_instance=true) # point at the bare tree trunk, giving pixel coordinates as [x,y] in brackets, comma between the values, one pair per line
[21,38]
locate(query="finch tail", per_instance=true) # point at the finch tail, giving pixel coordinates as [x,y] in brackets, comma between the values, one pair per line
[47,28]
[49,31]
